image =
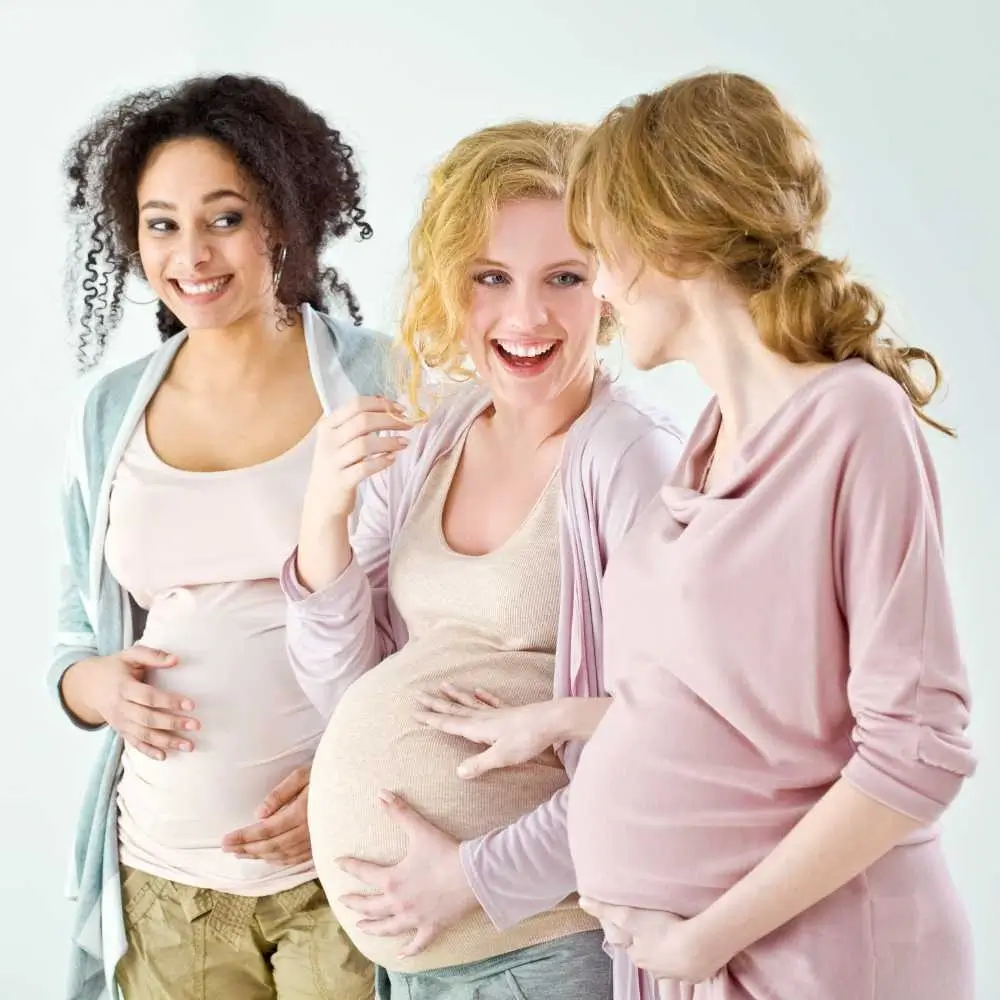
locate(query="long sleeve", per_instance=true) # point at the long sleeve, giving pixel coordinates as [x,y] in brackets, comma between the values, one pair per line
[336,634]
[907,685]
[75,638]
[525,868]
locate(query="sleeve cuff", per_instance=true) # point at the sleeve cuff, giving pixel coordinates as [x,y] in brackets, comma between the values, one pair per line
[339,593]
[925,789]
[63,662]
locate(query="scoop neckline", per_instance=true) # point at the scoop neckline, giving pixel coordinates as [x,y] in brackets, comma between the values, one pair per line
[222,473]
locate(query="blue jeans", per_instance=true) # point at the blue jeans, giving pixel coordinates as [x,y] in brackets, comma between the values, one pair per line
[569,968]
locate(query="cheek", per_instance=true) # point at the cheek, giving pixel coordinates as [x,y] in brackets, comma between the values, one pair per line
[480,319]
[247,254]
[580,315]
[153,258]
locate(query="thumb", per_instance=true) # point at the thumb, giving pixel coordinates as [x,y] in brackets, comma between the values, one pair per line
[489,760]
[403,813]
[620,916]
[284,792]
[144,656]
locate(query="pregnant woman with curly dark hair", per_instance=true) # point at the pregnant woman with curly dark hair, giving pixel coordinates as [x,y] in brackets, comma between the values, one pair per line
[193,868]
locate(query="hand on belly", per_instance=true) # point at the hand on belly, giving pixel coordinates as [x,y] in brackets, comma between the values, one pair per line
[423,894]
[665,945]
[282,835]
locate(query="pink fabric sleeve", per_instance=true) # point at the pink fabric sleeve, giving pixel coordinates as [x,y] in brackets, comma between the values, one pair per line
[336,634]
[525,868]
[907,686]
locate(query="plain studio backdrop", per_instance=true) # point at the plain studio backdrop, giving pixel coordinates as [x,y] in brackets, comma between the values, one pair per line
[902,104]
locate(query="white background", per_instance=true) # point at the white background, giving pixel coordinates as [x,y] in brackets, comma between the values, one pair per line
[902,104]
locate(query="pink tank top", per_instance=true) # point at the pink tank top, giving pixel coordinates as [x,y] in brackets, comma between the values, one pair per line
[201,552]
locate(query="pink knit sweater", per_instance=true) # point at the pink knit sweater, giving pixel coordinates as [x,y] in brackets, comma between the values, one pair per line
[789,627]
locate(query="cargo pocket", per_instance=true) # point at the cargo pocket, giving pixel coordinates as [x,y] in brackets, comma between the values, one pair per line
[140,894]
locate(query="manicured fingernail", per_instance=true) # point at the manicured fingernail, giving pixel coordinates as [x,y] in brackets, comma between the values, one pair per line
[387,797]
[190,724]
[185,747]
[463,771]
[187,705]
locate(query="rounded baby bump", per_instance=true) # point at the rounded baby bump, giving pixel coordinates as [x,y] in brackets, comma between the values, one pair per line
[256,725]
[373,743]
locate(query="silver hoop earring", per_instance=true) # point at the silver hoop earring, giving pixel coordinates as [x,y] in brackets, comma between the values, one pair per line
[135,302]
[282,254]
[149,302]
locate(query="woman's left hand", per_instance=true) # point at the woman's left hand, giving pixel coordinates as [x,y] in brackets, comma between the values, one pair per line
[665,945]
[282,836]
[424,893]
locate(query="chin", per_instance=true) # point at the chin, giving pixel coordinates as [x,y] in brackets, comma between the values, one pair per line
[647,353]
[209,317]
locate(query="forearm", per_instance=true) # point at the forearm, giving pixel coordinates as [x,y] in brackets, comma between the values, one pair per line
[838,839]
[524,869]
[576,719]
[75,690]
[324,550]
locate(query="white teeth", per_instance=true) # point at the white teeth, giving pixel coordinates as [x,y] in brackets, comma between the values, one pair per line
[201,288]
[526,350]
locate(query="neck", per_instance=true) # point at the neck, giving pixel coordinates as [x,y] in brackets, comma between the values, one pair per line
[532,427]
[241,355]
[747,378]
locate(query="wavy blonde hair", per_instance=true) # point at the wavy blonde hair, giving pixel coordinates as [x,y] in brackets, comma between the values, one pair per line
[502,163]
[711,171]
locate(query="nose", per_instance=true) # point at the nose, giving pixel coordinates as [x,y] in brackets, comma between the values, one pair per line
[191,250]
[529,310]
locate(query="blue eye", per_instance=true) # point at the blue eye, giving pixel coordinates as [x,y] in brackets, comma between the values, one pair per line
[566,279]
[491,279]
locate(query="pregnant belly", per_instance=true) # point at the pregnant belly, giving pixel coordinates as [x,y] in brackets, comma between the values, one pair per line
[371,743]
[661,820]
[256,725]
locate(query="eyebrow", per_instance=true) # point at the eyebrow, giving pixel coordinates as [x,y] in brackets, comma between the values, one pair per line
[572,262]
[210,197]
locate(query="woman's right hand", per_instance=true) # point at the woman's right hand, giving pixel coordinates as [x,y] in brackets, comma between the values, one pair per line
[116,689]
[352,444]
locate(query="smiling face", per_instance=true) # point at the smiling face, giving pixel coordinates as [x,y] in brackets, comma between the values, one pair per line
[532,325]
[202,238]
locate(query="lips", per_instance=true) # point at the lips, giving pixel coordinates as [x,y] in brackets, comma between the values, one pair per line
[526,358]
[207,287]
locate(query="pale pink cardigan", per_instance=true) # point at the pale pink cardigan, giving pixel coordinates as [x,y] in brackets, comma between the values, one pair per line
[617,456]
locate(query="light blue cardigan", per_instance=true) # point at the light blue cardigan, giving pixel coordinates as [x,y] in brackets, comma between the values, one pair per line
[95,613]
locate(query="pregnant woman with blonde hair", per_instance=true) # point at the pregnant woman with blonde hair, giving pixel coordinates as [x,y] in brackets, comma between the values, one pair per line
[477,560]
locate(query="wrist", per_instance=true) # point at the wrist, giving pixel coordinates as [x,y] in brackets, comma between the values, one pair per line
[564,720]
[319,518]
[575,719]
[80,692]
[713,938]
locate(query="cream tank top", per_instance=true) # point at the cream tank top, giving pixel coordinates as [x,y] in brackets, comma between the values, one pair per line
[201,552]
[479,621]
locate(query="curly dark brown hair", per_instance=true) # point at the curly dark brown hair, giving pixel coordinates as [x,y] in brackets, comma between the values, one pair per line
[304,171]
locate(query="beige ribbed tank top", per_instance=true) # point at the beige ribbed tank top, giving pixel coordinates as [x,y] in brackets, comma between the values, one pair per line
[479,621]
